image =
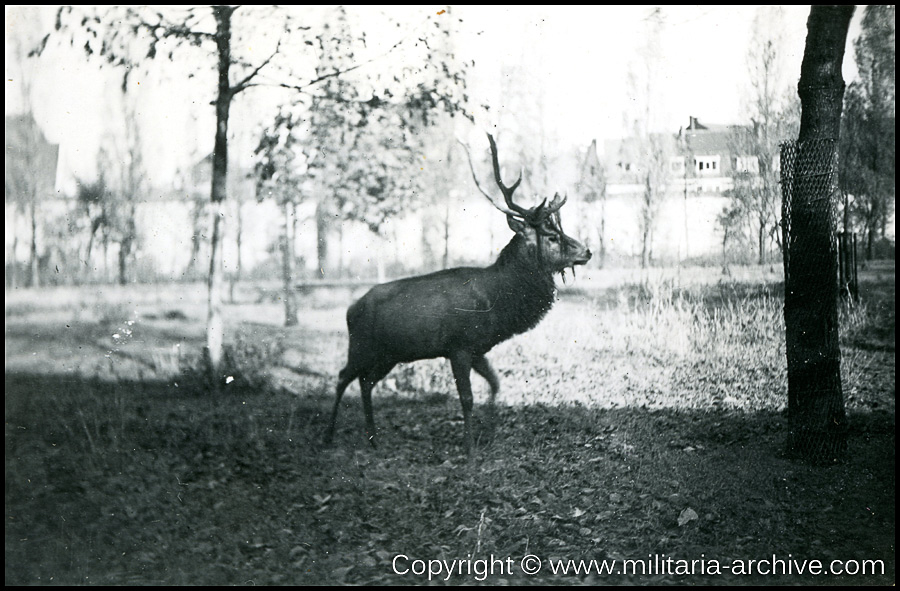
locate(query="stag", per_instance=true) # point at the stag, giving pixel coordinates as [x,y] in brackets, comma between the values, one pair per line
[461,313]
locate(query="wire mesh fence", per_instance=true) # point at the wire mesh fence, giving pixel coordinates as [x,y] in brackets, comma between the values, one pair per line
[809,222]
[811,169]
[808,168]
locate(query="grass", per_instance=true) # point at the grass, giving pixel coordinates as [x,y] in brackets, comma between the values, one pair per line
[637,420]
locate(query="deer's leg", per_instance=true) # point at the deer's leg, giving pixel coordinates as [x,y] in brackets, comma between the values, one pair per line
[461,363]
[365,389]
[483,368]
[366,385]
[344,379]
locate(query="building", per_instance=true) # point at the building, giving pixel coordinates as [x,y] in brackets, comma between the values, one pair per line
[30,185]
[697,166]
[701,159]
[31,161]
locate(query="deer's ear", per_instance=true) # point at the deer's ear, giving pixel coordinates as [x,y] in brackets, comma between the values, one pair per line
[516,225]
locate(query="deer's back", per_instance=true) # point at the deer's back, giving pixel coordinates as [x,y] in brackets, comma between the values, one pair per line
[432,315]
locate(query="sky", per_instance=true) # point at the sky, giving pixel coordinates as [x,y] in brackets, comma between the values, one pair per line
[577,58]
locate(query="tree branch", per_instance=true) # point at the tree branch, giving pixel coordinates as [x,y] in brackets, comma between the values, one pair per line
[245,83]
[170,29]
[322,78]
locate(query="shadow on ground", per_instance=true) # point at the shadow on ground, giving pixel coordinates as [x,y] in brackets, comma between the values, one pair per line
[143,482]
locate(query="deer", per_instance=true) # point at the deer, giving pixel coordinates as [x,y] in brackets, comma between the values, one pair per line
[461,313]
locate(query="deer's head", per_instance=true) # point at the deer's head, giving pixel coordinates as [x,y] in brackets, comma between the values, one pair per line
[540,227]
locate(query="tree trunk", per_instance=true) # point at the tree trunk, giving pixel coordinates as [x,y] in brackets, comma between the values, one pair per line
[215,328]
[446,224]
[123,264]
[215,325]
[646,221]
[35,271]
[104,278]
[687,230]
[816,416]
[645,253]
[870,242]
[287,266]
[196,237]
[89,255]
[602,255]
[341,264]
[762,243]
[322,226]
[14,268]
[238,239]
[725,269]
[126,247]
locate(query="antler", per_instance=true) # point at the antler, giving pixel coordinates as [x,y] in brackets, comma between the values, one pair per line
[483,192]
[507,191]
[556,204]
[532,215]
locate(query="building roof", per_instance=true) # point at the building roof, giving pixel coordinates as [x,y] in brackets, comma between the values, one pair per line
[700,138]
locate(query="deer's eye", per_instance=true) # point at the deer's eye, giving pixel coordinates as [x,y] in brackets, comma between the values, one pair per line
[553,238]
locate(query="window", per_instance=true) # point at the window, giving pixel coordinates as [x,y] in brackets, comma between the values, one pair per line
[705,165]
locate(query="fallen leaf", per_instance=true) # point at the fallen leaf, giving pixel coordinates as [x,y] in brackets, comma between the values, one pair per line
[687,516]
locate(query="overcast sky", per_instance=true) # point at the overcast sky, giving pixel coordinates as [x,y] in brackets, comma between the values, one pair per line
[578,57]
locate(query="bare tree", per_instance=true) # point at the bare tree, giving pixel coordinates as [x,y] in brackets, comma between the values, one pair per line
[442,186]
[129,186]
[774,118]
[652,149]
[592,189]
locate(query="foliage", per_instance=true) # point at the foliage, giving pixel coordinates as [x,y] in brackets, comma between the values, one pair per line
[132,37]
[867,149]
[280,159]
[732,220]
[109,202]
[359,140]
